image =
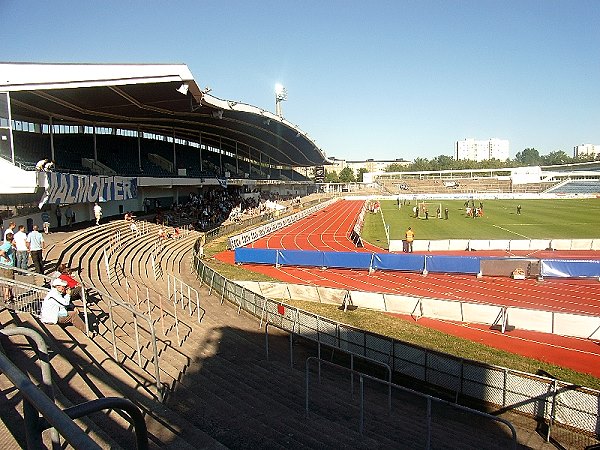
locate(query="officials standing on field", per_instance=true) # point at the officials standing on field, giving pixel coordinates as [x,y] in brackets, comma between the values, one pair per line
[409,237]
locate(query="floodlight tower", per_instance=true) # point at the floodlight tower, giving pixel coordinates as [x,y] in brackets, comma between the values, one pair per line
[280,96]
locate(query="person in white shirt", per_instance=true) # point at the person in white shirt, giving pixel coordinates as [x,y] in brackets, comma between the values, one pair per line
[20,241]
[97,213]
[35,241]
[57,307]
[10,229]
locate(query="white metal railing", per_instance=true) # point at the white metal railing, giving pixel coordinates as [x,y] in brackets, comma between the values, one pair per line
[28,297]
[574,324]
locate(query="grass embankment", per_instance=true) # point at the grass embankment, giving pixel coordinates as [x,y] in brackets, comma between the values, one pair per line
[406,330]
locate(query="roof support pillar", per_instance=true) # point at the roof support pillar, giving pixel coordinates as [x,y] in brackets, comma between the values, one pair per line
[11,141]
[200,148]
[249,161]
[95,143]
[139,139]
[221,156]
[52,156]
[174,154]
[237,163]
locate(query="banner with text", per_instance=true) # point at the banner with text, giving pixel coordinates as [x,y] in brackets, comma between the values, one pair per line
[72,188]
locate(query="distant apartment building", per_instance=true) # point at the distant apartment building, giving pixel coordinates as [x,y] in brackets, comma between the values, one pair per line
[586,150]
[482,150]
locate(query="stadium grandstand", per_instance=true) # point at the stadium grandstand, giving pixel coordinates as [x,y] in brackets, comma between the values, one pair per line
[173,353]
[580,178]
[151,123]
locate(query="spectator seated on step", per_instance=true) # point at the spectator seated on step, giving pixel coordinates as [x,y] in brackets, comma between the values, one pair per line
[63,272]
[176,233]
[57,307]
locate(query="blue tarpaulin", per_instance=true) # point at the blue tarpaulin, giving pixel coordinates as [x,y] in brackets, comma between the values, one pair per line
[389,261]
[255,255]
[452,264]
[570,268]
[301,258]
[407,262]
[349,260]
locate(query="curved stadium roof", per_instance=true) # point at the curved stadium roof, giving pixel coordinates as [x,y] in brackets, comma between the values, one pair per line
[156,98]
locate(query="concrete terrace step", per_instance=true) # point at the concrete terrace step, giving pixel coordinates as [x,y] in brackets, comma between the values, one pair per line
[98,375]
[266,401]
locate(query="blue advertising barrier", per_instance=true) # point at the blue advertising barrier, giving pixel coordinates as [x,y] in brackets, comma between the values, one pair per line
[407,262]
[570,268]
[390,261]
[349,260]
[300,258]
[255,255]
[452,264]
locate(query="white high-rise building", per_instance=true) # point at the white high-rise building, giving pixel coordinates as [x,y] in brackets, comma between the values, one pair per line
[586,150]
[482,150]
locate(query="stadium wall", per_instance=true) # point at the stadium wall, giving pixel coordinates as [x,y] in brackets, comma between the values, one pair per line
[443,245]
[560,323]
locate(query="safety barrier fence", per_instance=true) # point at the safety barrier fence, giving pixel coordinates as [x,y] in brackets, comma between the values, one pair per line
[508,245]
[27,291]
[420,262]
[40,401]
[431,438]
[182,294]
[144,333]
[114,243]
[554,322]
[140,298]
[129,316]
[551,400]
[256,233]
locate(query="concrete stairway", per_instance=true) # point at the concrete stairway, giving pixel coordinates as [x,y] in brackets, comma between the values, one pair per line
[221,390]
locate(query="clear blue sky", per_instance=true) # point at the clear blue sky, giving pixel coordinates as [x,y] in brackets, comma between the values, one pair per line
[365,79]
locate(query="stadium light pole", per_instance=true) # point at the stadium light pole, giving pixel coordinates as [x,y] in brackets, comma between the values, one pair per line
[280,96]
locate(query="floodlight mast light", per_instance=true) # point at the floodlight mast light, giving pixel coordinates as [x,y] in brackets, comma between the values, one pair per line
[280,96]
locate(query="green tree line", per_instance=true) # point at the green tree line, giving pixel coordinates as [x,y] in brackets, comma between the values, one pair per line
[527,157]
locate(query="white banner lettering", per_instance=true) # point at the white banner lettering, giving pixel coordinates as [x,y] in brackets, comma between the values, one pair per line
[71,188]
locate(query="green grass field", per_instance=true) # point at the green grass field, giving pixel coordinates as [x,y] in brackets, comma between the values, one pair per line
[539,219]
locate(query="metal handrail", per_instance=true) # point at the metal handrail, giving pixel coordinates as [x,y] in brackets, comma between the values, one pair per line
[347,352]
[42,348]
[37,402]
[140,315]
[34,401]
[49,279]
[111,303]
[429,399]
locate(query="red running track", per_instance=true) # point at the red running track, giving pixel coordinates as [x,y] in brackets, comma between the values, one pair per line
[328,230]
